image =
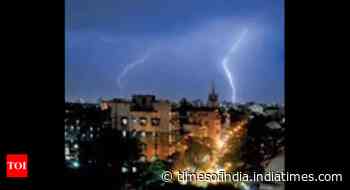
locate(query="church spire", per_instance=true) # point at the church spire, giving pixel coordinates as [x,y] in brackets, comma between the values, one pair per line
[212,91]
[213,100]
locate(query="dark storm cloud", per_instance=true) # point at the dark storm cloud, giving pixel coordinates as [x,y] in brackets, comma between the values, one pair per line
[187,40]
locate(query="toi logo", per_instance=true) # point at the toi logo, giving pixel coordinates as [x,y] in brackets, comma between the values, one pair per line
[17,165]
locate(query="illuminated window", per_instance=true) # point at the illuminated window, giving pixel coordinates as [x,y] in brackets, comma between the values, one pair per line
[124,121]
[170,139]
[134,133]
[143,159]
[143,121]
[154,134]
[124,169]
[155,121]
[76,164]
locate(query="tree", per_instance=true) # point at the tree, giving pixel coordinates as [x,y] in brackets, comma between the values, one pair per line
[263,142]
[150,177]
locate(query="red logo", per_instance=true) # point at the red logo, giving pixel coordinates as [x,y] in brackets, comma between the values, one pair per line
[16,165]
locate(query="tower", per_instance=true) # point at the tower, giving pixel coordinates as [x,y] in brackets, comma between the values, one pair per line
[213,98]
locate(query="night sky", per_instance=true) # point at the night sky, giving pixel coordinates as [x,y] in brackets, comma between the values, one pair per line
[174,48]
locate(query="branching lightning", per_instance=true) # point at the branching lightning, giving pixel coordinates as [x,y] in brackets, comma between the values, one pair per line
[225,66]
[128,68]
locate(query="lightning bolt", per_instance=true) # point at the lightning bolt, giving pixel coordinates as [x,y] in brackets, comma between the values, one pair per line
[128,68]
[225,61]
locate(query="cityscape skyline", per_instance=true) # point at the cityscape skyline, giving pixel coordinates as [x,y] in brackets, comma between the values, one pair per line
[174,49]
[202,102]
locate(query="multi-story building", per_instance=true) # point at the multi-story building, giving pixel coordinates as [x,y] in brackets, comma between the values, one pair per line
[83,124]
[203,122]
[151,119]
[158,124]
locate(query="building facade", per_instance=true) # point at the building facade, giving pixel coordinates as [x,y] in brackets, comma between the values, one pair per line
[159,126]
[150,119]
